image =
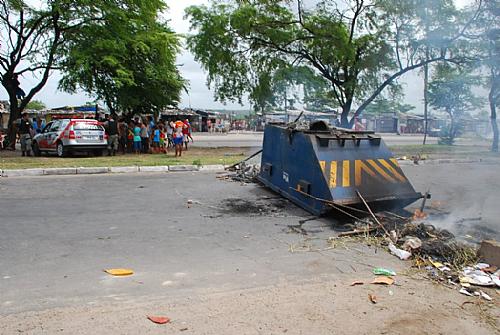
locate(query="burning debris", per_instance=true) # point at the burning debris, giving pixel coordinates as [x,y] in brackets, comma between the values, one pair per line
[245,171]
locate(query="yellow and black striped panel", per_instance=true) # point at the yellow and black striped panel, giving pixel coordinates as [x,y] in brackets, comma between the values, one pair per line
[339,173]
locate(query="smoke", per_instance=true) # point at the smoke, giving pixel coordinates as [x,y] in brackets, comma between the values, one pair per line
[468,223]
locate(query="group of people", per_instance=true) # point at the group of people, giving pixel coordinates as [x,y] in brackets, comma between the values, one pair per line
[147,136]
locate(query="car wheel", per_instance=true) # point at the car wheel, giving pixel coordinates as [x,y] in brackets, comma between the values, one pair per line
[61,152]
[36,149]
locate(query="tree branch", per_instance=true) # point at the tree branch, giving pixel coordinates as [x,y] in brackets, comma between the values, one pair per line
[389,80]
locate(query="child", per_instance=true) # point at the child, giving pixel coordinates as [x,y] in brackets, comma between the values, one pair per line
[137,139]
[178,138]
[163,148]
[156,140]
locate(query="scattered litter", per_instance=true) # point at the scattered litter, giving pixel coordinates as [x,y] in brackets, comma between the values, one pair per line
[490,269]
[355,283]
[383,272]
[183,329]
[485,296]
[412,243]
[478,277]
[383,280]
[464,291]
[436,264]
[119,272]
[243,171]
[159,319]
[402,254]
[372,298]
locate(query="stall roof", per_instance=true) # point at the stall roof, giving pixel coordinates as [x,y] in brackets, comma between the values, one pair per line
[86,108]
[175,112]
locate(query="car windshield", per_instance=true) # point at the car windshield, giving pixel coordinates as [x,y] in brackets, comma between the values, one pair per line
[87,126]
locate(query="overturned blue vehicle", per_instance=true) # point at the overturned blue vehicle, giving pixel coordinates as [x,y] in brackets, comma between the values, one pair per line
[323,169]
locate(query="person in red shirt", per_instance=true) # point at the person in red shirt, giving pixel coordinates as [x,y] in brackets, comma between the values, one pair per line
[178,136]
[186,132]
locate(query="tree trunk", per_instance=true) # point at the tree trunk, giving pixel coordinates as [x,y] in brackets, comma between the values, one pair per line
[493,117]
[344,117]
[15,112]
[426,100]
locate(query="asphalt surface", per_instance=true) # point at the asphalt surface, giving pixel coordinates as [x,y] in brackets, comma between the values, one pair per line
[187,234]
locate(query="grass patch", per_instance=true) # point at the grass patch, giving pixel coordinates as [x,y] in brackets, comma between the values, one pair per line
[443,151]
[194,156]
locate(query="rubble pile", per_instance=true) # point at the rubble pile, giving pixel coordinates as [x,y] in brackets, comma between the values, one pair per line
[446,260]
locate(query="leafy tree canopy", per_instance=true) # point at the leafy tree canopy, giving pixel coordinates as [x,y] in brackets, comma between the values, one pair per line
[128,61]
[38,36]
[36,105]
[383,105]
[358,49]
[451,91]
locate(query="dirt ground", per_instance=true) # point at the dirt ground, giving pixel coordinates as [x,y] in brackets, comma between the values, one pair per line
[314,307]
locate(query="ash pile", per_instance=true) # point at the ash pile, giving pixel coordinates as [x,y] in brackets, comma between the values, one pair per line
[245,171]
[443,258]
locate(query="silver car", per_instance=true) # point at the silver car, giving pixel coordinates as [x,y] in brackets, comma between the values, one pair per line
[66,136]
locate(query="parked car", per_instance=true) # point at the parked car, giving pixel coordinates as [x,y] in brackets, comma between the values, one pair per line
[66,136]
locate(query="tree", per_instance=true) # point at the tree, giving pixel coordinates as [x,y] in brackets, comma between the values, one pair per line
[383,105]
[36,105]
[273,88]
[355,49]
[128,61]
[451,92]
[433,16]
[34,40]
[487,43]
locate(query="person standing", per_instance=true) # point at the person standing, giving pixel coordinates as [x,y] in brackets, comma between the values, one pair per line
[185,133]
[25,130]
[163,148]
[137,138]
[178,137]
[113,134]
[130,137]
[155,136]
[170,134]
[144,138]
[123,131]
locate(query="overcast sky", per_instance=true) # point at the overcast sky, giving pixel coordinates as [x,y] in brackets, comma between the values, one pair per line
[199,95]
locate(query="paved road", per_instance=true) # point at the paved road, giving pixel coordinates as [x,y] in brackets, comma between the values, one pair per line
[255,140]
[58,233]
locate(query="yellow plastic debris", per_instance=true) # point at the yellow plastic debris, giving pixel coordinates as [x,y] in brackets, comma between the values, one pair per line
[436,264]
[119,272]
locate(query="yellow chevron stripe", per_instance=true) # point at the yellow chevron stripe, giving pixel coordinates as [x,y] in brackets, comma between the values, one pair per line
[359,167]
[322,164]
[346,174]
[333,174]
[389,167]
[381,171]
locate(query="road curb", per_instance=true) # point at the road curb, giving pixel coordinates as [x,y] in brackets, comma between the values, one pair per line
[447,161]
[124,169]
[108,170]
[22,173]
[179,168]
[161,168]
[211,168]
[186,168]
[59,171]
[92,170]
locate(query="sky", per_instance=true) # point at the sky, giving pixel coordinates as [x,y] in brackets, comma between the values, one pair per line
[199,95]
